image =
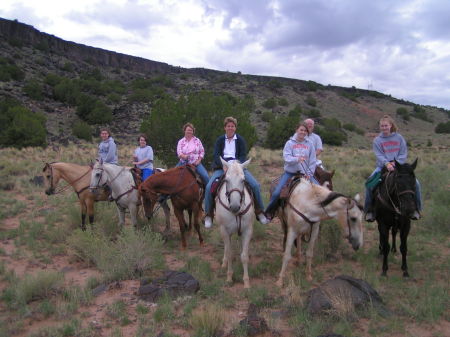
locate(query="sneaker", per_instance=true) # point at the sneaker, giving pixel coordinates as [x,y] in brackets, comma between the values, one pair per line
[415,216]
[262,218]
[208,222]
[370,217]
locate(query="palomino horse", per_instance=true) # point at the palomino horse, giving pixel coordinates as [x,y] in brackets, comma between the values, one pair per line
[182,186]
[79,178]
[306,207]
[123,189]
[235,213]
[394,203]
[324,177]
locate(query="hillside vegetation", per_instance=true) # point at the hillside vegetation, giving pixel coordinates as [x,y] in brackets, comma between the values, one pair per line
[75,89]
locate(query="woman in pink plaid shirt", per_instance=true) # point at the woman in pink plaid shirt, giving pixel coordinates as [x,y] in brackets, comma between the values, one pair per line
[190,151]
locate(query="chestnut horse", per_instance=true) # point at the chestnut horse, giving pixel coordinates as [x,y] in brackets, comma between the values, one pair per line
[78,177]
[180,183]
[324,177]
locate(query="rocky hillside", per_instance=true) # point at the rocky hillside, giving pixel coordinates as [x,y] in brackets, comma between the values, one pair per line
[29,59]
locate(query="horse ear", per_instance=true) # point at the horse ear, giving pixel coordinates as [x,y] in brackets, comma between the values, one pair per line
[224,162]
[332,174]
[397,164]
[245,164]
[414,164]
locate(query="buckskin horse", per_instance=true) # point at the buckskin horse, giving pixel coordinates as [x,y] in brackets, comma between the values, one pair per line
[307,205]
[181,184]
[235,213]
[124,190]
[78,177]
[394,203]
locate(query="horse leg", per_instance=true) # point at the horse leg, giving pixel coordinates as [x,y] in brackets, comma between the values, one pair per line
[190,219]
[90,210]
[121,213]
[180,217]
[166,210]
[404,246]
[226,262]
[83,215]
[394,243]
[287,256]
[133,214]
[383,229]
[246,236]
[310,250]
[299,250]
[196,213]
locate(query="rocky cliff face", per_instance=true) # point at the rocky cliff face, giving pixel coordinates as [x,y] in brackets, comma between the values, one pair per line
[28,35]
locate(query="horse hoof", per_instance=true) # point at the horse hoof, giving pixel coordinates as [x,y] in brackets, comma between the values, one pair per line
[279,283]
[405,274]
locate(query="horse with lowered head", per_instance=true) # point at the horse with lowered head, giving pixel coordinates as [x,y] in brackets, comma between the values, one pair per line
[78,177]
[394,204]
[181,184]
[305,208]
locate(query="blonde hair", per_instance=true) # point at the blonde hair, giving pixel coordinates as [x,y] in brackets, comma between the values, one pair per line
[189,125]
[391,121]
[230,120]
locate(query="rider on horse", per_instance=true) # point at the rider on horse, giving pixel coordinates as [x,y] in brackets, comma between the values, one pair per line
[388,146]
[231,146]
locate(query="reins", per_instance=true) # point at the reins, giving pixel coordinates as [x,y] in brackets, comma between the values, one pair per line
[392,206]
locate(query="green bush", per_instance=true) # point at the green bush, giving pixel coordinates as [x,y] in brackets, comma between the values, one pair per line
[67,91]
[310,100]
[33,89]
[279,131]
[68,66]
[82,130]
[404,113]
[20,126]
[52,79]
[146,95]
[10,71]
[283,101]
[270,103]
[92,110]
[274,84]
[206,110]
[420,113]
[267,116]
[314,113]
[443,128]
[313,86]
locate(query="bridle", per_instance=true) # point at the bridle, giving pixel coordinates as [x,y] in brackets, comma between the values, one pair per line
[242,202]
[394,190]
[70,183]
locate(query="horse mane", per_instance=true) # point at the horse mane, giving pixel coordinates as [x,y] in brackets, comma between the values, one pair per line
[330,198]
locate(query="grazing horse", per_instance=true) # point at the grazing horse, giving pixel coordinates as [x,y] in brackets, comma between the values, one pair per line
[235,213]
[309,204]
[124,190]
[78,177]
[181,184]
[324,177]
[394,203]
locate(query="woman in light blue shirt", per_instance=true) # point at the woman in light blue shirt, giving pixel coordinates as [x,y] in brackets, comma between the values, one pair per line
[143,157]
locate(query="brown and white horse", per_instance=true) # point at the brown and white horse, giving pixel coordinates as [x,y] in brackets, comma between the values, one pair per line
[306,207]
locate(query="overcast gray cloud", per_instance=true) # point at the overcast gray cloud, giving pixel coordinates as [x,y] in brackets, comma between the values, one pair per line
[398,47]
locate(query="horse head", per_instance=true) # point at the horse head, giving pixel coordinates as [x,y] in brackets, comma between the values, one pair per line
[98,179]
[354,221]
[148,195]
[403,188]
[234,181]
[51,179]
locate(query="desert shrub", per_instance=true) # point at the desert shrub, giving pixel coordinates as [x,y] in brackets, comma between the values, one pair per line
[353,96]
[15,42]
[403,112]
[296,112]
[115,86]
[274,84]
[20,126]
[113,98]
[42,46]
[270,103]
[442,128]
[353,128]
[67,91]
[267,116]
[68,66]
[313,113]
[82,130]
[52,79]
[420,113]
[207,321]
[92,110]
[280,130]
[33,89]
[147,94]
[283,101]
[330,131]
[206,111]
[10,71]
[310,100]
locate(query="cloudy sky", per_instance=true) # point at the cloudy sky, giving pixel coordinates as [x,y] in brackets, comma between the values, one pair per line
[398,47]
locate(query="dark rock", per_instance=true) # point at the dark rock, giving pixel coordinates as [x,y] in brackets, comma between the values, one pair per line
[359,292]
[37,180]
[99,289]
[173,283]
[253,324]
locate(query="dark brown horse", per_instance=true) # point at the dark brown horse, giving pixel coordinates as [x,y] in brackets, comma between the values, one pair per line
[324,177]
[180,183]
[394,203]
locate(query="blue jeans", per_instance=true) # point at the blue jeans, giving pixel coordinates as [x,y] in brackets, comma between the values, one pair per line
[276,193]
[369,193]
[200,169]
[145,173]
[254,185]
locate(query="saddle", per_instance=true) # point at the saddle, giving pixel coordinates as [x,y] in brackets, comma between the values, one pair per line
[287,189]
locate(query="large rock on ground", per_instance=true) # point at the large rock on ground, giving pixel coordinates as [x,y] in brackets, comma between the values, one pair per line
[173,283]
[342,290]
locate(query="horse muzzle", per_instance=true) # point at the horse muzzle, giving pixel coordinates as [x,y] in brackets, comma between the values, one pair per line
[50,191]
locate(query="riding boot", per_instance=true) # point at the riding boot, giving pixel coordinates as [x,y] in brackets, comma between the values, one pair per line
[262,218]
[415,215]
